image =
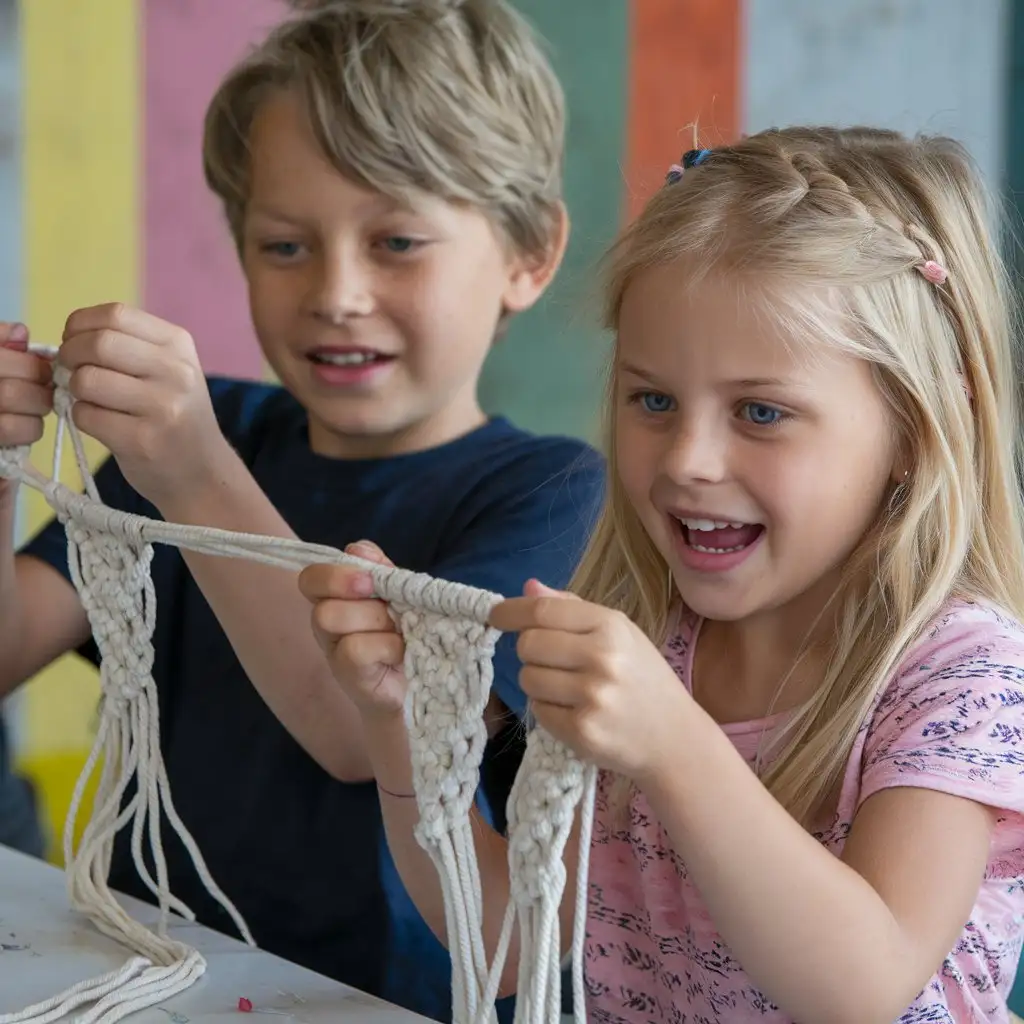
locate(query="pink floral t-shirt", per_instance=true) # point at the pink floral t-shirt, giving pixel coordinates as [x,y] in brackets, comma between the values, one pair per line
[952,719]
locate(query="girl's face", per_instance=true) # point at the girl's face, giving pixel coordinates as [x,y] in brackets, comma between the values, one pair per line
[755,461]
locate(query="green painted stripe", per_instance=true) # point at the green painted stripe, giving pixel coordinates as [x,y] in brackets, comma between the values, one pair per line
[545,374]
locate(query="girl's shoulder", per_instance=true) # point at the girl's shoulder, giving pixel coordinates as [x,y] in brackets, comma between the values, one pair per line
[953,716]
[969,643]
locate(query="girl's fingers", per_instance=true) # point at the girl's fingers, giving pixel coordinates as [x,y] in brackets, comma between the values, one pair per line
[550,686]
[341,582]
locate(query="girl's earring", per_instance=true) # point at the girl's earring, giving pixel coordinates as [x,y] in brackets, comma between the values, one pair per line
[896,498]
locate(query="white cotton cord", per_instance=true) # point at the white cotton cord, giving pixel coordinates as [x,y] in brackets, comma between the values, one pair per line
[450,660]
[579,924]
[541,812]
[448,664]
[78,995]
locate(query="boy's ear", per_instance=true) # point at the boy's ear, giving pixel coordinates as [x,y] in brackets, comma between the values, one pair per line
[530,275]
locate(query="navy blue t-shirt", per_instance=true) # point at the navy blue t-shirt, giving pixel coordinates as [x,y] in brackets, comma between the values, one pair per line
[20,827]
[301,855]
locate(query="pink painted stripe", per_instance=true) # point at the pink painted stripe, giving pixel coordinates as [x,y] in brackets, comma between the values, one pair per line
[190,274]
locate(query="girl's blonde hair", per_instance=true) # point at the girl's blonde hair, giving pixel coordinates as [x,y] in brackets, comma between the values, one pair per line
[840,220]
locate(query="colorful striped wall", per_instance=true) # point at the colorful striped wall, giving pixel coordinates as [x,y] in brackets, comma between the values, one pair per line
[113,206]
[101,193]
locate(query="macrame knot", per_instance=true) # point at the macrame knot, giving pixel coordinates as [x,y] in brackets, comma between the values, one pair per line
[120,604]
[12,461]
[541,811]
[62,401]
[444,714]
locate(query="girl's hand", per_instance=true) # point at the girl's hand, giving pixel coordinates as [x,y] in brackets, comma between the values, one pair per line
[595,681]
[140,391]
[363,646]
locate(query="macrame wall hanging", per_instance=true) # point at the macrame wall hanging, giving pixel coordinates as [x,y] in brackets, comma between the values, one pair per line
[449,647]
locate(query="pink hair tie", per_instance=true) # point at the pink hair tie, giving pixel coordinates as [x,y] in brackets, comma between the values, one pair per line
[932,272]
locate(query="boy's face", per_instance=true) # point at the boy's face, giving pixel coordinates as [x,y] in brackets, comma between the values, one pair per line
[376,316]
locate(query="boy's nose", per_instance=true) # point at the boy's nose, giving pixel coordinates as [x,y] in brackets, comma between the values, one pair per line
[345,289]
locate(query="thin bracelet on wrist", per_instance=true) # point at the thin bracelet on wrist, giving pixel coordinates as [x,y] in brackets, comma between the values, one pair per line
[397,796]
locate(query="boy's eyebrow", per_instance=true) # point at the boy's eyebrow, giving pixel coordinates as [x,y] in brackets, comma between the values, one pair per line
[260,210]
[381,205]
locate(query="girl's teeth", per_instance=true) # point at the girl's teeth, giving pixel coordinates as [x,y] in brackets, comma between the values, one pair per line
[709,524]
[717,551]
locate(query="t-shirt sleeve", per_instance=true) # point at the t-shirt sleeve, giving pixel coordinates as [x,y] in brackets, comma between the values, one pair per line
[535,523]
[953,720]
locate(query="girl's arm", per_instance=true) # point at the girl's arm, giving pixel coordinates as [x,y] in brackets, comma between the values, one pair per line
[366,655]
[387,740]
[851,939]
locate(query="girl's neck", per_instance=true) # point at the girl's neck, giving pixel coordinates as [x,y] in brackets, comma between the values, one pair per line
[765,664]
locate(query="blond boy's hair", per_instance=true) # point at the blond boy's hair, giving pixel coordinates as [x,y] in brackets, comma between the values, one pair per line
[454,98]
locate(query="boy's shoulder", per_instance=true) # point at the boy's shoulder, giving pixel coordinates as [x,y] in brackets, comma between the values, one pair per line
[254,415]
[249,410]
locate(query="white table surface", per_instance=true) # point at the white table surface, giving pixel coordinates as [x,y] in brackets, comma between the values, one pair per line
[45,947]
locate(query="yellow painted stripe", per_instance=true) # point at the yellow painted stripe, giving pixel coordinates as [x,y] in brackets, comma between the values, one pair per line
[81,153]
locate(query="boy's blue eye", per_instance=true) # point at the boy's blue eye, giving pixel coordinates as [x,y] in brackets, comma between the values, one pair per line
[286,250]
[761,415]
[654,401]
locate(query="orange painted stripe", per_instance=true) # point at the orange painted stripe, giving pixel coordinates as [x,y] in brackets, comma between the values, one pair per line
[684,69]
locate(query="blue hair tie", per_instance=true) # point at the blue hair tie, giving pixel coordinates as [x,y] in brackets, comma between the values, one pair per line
[691,158]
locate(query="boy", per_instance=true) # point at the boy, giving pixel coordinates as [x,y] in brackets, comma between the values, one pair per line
[392,182]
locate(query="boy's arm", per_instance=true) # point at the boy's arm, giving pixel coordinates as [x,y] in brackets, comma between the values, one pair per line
[41,617]
[536,528]
[266,619]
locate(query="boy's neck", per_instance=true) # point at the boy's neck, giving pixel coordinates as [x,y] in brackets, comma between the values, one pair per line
[434,431]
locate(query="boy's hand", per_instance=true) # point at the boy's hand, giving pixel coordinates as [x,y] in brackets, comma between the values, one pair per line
[140,391]
[595,681]
[363,646]
[25,392]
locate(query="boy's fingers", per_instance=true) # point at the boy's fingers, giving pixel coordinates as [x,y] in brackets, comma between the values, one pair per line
[16,364]
[368,551]
[361,654]
[342,618]
[14,336]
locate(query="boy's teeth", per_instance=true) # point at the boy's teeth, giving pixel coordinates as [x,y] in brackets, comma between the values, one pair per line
[345,358]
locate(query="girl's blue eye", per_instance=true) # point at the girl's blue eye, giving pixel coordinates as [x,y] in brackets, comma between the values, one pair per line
[656,402]
[398,243]
[761,415]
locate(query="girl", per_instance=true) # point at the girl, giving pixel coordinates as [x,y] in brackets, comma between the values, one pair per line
[794,647]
